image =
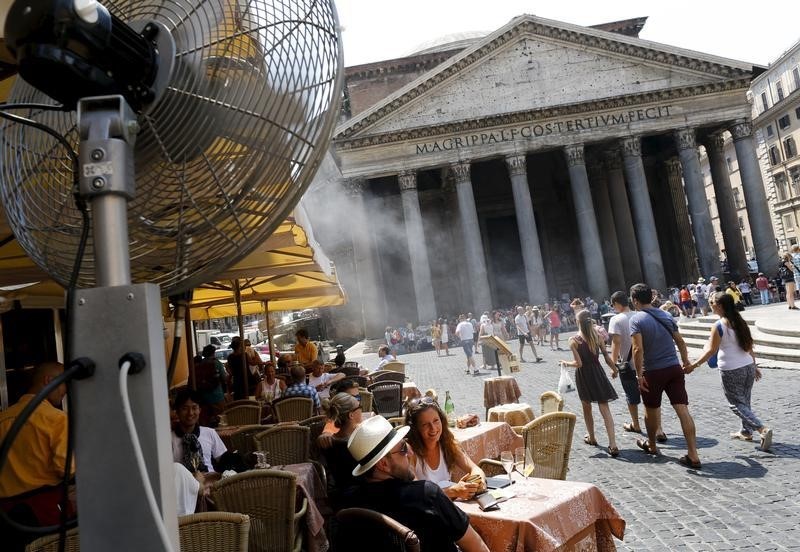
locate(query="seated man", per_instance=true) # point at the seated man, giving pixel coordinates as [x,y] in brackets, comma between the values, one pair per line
[388,487]
[321,381]
[384,356]
[299,388]
[193,445]
[30,482]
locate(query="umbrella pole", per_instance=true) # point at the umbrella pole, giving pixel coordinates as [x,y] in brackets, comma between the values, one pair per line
[191,340]
[269,334]
[237,294]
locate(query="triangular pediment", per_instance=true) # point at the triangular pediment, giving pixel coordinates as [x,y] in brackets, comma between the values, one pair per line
[532,64]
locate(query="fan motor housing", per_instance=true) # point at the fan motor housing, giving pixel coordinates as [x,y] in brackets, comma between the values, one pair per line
[69,58]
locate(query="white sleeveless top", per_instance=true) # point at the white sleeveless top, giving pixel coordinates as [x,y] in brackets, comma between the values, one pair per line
[423,471]
[271,392]
[730,355]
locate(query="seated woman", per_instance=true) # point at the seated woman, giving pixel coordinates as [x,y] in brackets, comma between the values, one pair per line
[270,388]
[345,411]
[436,453]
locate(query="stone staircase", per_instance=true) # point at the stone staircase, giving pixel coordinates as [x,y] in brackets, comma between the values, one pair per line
[776,334]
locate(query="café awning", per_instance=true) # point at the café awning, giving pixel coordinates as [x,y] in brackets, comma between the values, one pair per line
[289,271]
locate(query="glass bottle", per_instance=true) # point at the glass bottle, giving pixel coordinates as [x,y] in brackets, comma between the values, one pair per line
[449,410]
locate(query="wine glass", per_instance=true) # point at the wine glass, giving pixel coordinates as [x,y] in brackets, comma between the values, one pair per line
[507,459]
[519,459]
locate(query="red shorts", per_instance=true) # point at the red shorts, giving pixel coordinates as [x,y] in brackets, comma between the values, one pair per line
[670,380]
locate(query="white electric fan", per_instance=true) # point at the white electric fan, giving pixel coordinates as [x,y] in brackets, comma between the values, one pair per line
[198,124]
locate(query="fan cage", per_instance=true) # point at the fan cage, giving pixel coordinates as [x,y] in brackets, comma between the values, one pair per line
[222,157]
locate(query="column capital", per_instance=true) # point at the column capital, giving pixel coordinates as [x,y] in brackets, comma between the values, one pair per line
[685,139]
[407,180]
[355,187]
[612,158]
[741,129]
[631,146]
[517,165]
[574,154]
[673,165]
[461,171]
[715,143]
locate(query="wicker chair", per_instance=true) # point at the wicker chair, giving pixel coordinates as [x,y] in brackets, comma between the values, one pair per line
[551,402]
[351,369]
[395,366]
[242,440]
[317,425]
[284,444]
[293,409]
[49,543]
[387,398]
[244,414]
[241,402]
[366,400]
[269,498]
[388,375]
[381,532]
[548,438]
[218,531]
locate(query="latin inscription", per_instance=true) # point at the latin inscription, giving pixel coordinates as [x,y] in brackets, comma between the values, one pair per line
[535,130]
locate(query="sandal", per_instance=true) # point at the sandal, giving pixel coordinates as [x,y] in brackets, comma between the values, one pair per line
[741,436]
[661,437]
[630,428]
[589,441]
[645,446]
[689,463]
[613,451]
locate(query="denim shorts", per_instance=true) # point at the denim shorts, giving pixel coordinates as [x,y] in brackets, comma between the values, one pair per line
[467,346]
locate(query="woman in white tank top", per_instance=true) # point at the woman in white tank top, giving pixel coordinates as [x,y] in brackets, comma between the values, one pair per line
[731,341]
[436,453]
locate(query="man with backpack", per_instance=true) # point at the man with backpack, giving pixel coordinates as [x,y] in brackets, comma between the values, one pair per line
[210,381]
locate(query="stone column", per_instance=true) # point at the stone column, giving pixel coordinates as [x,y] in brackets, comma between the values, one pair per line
[591,247]
[689,269]
[703,231]
[471,242]
[373,300]
[608,232]
[417,248]
[528,234]
[649,249]
[626,236]
[755,198]
[728,217]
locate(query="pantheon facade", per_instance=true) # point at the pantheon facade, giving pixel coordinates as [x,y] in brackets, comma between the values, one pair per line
[544,159]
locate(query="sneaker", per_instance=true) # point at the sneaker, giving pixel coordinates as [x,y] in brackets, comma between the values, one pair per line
[741,436]
[476,372]
[766,439]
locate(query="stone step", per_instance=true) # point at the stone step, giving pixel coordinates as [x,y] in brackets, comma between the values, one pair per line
[778,328]
[760,338]
[765,355]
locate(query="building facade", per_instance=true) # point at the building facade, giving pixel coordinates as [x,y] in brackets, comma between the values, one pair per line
[541,160]
[776,120]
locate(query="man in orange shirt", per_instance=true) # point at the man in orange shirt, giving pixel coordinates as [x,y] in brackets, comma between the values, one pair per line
[35,465]
[305,352]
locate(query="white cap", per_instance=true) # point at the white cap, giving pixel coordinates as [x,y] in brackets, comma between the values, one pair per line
[86,10]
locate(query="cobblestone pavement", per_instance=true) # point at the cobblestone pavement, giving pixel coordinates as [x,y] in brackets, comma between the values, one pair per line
[742,498]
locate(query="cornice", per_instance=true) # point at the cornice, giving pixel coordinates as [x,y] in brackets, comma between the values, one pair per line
[530,26]
[347,140]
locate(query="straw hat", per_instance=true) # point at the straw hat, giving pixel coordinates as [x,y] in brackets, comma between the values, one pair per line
[371,441]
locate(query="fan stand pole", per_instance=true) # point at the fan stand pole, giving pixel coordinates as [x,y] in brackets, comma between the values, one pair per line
[110,321]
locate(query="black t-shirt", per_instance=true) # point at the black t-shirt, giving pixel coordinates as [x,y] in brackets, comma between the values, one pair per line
[419,505]
[340,466]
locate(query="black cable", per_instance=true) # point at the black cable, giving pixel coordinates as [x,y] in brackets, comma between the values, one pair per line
[43,107]
[49,130]
[16,427]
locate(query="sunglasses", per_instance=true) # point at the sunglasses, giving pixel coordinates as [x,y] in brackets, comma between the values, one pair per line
[403,450]
[421,402]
